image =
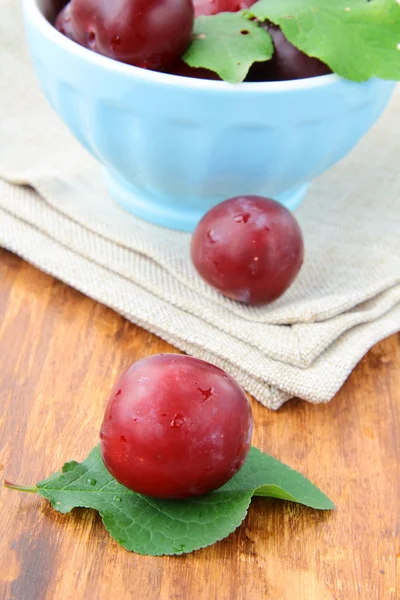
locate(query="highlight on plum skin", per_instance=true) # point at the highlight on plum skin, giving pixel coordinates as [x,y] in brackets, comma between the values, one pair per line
[175,427]
[214,7]
[63,22]
[249,248]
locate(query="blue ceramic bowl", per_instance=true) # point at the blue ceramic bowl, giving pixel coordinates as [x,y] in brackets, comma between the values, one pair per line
[171,147]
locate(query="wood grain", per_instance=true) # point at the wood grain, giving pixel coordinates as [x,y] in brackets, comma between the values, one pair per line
[60,353]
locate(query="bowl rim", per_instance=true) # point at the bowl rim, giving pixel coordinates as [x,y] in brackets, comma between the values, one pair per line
[36,17]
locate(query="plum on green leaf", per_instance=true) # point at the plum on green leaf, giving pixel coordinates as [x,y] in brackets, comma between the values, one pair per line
[175,427]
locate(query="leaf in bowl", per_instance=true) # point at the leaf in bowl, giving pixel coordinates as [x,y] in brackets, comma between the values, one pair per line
[357,39]
[228,43]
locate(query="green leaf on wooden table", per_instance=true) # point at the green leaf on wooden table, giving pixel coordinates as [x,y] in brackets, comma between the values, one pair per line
[228,44]
[358,39]
[157,527]
[267,476]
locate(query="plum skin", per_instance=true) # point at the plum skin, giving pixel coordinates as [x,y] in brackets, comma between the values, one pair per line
[249,248]
[175,427]
[214,7]
[151,34]
[63,22]
[287,63]
[181,69]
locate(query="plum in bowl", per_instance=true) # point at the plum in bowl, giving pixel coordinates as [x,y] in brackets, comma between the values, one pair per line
[171,147]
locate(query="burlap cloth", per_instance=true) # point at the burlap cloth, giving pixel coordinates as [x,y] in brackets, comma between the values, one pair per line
[55,213]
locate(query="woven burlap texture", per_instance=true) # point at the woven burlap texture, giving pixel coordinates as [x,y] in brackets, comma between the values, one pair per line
[55,213]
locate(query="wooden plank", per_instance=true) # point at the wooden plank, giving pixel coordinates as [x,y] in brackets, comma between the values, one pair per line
[60,353]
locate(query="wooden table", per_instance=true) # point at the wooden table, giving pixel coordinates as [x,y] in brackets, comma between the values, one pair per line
[60,353]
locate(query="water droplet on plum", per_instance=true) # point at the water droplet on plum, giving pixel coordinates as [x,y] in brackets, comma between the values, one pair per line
[116,41]
[91,42]
[178,420]
[253,266]
[242,218]
[143,380]
[211,238]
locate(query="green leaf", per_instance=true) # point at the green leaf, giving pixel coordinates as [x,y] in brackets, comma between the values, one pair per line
[156,527]
[356,38]
[228,44]
[267,476]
